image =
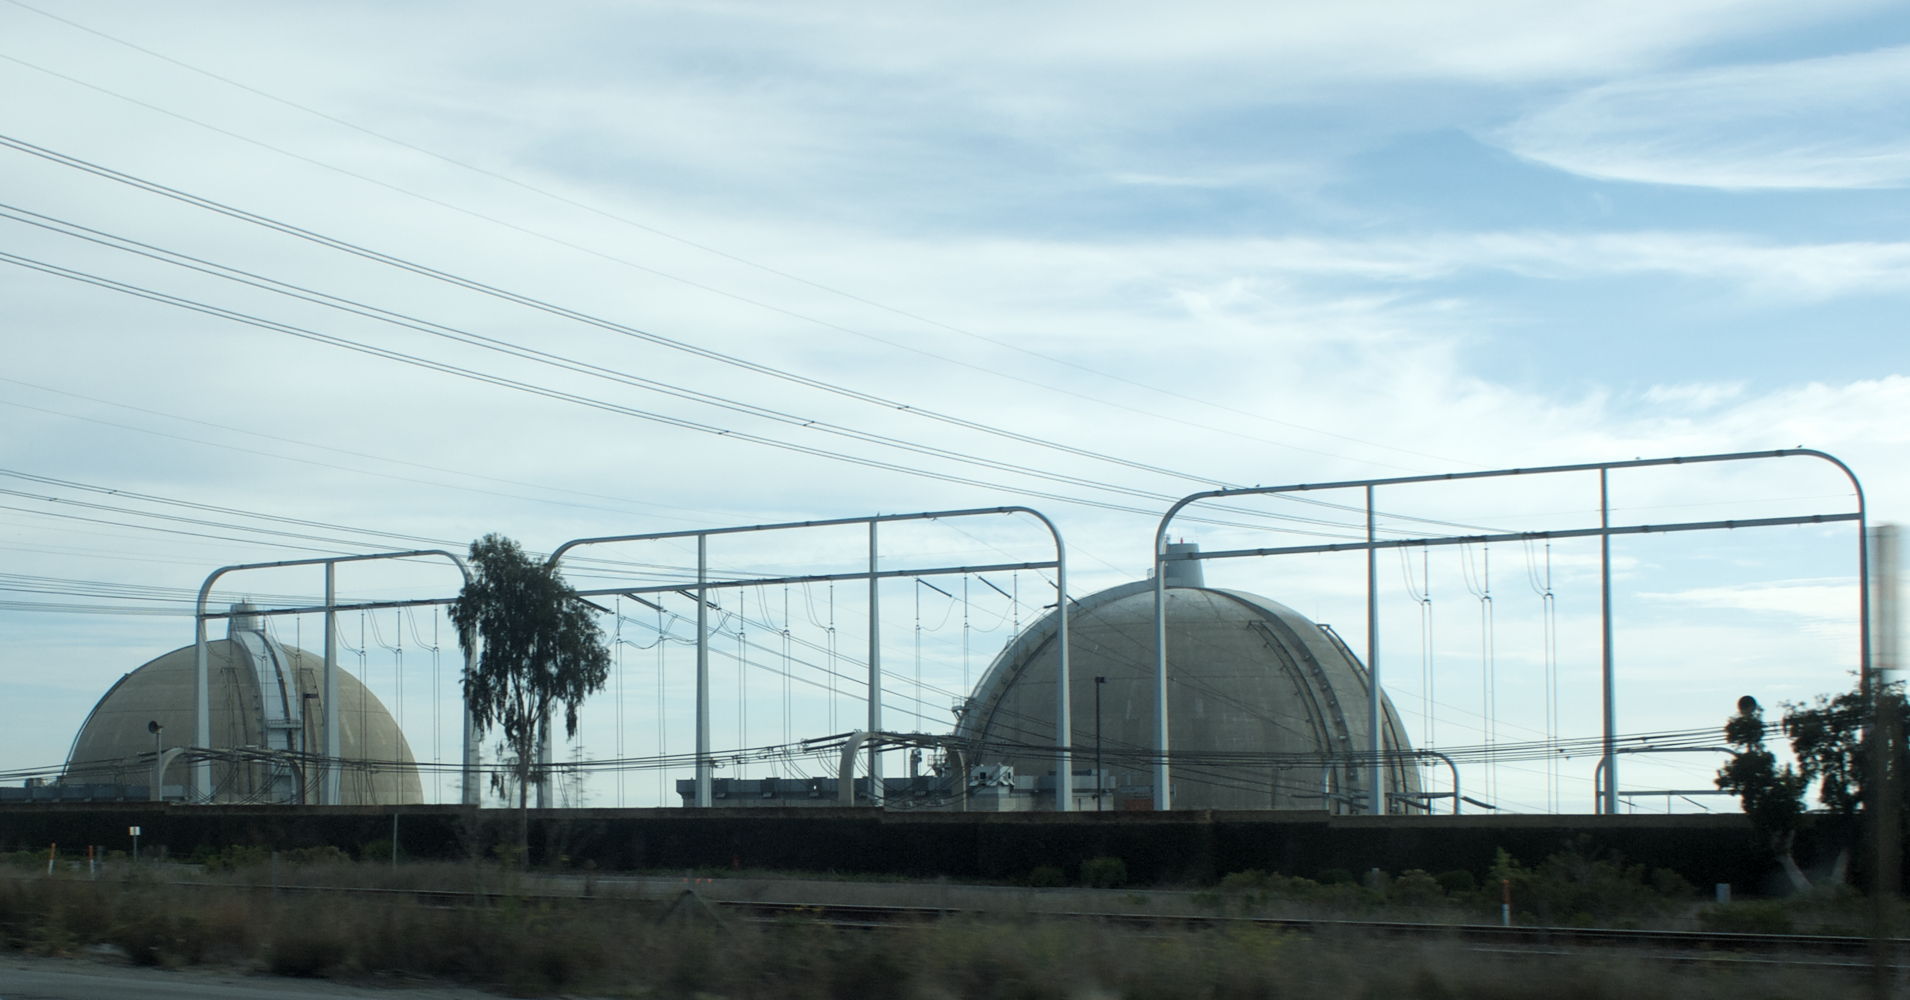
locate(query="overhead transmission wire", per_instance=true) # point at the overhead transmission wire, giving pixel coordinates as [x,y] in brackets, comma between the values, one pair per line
[624,220]
[279,454]
[453,369]
[551,359]
[1479,584]
[591,402]
[528,301]
[1422,597]
[1548,611]
[437,696]
[1135,757]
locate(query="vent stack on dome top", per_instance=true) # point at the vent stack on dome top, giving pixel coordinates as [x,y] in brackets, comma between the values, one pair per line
[1184,572]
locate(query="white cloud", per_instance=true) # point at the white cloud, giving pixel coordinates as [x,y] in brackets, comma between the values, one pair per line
[1694,396]
[1816,601]
[1832,122]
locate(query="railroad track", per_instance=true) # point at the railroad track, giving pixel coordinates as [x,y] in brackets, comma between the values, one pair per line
[1827,949]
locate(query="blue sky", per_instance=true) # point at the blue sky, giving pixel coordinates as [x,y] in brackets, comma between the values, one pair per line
[1236,243]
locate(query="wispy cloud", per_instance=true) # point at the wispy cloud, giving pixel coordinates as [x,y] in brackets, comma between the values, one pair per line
[1835,122]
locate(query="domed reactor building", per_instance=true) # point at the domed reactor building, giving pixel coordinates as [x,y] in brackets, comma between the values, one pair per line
[1266,709]
[267,712]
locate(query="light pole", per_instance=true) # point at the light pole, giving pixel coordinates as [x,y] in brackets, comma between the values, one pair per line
[1100,776]
[156,793]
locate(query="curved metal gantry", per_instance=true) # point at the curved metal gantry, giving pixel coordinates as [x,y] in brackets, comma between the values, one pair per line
[329,787]
[1064,791]
[1163,798]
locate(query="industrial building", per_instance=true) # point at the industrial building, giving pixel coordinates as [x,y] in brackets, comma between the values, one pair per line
[267,701]
[1267,709]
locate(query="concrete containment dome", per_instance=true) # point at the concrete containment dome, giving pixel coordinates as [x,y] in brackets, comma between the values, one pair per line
[1267,710]
[266,701]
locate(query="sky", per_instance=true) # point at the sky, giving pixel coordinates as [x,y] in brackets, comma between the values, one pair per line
[286,281]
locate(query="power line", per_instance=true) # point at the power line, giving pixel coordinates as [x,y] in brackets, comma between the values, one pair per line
[560,395]
[703,247]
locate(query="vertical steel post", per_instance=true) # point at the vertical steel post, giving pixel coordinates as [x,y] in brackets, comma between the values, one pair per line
[541,774]
[1163,797]
[1100,775]
[1064,692]
[201,707]
[470,794]
[876,790]
[704,797]
[1376,777]
[330,735]
[1609,805]
[1886,740]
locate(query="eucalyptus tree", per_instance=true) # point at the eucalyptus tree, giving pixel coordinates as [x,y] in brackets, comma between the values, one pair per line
[539,648]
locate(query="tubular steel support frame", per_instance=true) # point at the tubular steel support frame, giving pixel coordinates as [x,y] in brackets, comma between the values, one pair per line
[1604,780]
[705,762]
[201,688]
[1163,797]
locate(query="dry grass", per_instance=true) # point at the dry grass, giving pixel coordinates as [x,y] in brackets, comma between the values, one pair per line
[530,946]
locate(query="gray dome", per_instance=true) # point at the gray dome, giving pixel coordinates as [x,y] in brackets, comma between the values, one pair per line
[1246,676]
[265,697]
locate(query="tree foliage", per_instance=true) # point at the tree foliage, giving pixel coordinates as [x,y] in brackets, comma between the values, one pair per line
[539,648]
[1772,795]
[1830,739]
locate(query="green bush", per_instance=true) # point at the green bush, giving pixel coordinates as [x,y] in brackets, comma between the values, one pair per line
[1415,888]
[1047,877]
[1104,873]
[1575,887]
[1457,883]
[232,858]
[1760,916]
[324,854]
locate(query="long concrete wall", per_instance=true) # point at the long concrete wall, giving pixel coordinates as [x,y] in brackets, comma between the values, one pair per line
[1176,847]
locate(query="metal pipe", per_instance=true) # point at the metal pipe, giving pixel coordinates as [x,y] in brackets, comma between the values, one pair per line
[1886,741]
[1604,532]
[1376,777]
[470,792]
[876,789]
[1608,682]
[1163,796]
[328,715]
[704,798]
[1599,786]
[1100,772]
[1064,689]
[329,780]
[1456,797]
[873,574]
[201,704]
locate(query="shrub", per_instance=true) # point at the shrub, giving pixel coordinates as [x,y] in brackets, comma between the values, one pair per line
[1415,888]
[1762,916]
[232,858]
[307,951]
[324,854]
[1104,873]
[1572,886]
[1457,883]
[1047,877]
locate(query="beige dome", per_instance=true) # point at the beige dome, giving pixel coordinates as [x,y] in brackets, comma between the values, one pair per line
[1266,709]
[266,700]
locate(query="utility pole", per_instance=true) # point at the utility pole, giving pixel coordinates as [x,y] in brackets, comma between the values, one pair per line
[1100,775]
